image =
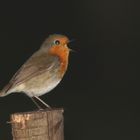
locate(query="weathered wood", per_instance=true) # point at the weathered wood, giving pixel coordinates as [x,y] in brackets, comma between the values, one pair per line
[38,125]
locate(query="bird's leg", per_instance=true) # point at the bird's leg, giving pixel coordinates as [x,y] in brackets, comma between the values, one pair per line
[38,106]
[42,102]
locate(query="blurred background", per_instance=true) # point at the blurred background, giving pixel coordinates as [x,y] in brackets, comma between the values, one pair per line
[100,91]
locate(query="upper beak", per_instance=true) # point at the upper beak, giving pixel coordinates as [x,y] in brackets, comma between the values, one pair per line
[70,41]
[67,45]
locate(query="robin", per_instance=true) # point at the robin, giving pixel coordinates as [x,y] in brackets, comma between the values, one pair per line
[43,71]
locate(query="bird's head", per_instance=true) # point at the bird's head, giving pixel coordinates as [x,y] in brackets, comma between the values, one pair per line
[55,40]
[57,45]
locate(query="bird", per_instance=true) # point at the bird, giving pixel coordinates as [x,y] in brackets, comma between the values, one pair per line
[43,71]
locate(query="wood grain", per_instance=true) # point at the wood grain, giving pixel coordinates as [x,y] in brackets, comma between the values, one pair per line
[38,125]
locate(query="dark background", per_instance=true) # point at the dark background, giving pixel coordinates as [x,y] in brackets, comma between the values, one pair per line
[100,91]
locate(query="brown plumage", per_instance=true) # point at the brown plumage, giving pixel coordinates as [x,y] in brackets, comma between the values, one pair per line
[43,70]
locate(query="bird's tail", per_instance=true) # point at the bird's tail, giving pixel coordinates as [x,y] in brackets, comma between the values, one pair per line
[2,94]
[4,91]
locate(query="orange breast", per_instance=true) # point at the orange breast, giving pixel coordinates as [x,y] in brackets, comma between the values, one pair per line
[63,53]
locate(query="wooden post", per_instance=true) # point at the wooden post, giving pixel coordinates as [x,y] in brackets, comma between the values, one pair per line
[38,125]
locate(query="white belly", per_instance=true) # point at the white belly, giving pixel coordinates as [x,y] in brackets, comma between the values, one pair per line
[37,86]
[38,91]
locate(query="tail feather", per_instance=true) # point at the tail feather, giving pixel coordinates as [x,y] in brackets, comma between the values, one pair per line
[4,91]
[2,94]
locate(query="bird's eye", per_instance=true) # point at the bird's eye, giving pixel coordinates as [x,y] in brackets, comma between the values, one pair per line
[57,42]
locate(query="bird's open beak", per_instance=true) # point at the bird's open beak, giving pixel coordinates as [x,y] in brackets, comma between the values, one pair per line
[71,50]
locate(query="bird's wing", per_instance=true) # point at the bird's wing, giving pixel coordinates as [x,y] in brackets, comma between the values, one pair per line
[36,64]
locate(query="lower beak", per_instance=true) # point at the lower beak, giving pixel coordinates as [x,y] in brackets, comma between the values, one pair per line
[71,50]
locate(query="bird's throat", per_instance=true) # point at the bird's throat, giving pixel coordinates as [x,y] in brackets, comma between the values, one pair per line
[62,53]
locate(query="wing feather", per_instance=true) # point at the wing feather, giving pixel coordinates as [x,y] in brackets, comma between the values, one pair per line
[35,65]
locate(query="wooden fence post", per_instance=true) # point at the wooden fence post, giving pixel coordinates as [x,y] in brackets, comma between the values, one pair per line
[38,125]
